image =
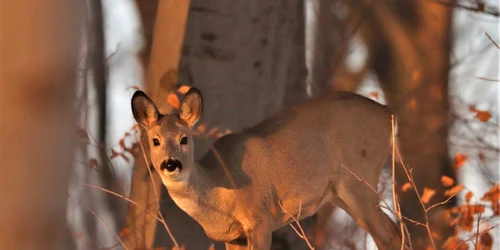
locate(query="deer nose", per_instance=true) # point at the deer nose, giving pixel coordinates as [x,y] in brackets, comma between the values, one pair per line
[171,165]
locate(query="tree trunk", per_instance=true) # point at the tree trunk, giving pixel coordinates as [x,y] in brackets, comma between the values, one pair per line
[40,49]
[410,53]
[161,76]
[247,58]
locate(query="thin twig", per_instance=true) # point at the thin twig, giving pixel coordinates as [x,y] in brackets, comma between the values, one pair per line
[123,197]
[474,236]
[107,225]
[477,229]
[394,197]
[301,234]
[440,203]
[487,79]
[493,41]
[426,216]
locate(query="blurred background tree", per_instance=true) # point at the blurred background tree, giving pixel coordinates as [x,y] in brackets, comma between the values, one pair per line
[40,50]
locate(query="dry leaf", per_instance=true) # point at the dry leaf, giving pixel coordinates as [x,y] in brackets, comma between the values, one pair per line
[406,187]
[173,100]
[113,154]
[124,232]
[412,104]
[213,132]
[201,128]
[482,157]
[183,89]
[468,196]
[460,160]
[493,195]
[466,222]
[480,7]
[93,163]
[122,143]
[428,193]
[416,75]
[485,242]
[82,133]
[454,190]
[451,243]
[77,235]
[483,116]
[476,209]
[374,95]
[447,181]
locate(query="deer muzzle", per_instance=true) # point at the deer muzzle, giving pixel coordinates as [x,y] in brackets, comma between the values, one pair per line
[171,165]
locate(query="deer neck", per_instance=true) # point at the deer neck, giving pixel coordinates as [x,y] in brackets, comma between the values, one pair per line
[189,193]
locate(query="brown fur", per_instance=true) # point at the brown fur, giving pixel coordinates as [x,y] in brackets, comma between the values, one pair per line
[293,158]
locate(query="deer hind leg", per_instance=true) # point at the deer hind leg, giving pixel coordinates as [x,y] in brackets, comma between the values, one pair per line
[361,203]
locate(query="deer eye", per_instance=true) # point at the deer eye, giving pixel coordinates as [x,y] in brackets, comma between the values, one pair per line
[184,140]
[156,142]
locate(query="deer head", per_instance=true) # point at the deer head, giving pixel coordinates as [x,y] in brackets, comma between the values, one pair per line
[169,136]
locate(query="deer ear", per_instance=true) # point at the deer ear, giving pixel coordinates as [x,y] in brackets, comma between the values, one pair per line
[144,109]
[191,107]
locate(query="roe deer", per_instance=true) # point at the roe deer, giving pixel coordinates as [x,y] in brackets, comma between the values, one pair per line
[291,160]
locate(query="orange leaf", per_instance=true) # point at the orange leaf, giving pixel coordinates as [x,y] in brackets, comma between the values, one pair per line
[451,243]
[485,241]
[407,186]
[124,232]
[212,132]
[416,75]
[483,116]
[173,101]
[447,181]
[122,142]
[201,128]
[454,190]
[482,157]
[183,89]
[460,160]
[428,193]
[468,196]
[113,154]
[77,235]
[493,194]
[93,163]
[466,222]
[480,7]
[476,209]
[412,104]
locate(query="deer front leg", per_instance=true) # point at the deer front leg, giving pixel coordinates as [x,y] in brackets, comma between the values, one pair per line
[235,246]
[260,239]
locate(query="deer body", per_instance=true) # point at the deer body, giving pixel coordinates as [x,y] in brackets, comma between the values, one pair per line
[293,160]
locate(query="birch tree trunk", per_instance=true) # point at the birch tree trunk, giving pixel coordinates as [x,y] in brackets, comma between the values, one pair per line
[248,59]
[40,49]
[162,55]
